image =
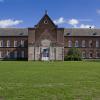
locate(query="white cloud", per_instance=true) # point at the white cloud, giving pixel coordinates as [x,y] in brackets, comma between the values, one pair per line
[73,22]
[98,11]
[61,20]
[87,26]
[9,23]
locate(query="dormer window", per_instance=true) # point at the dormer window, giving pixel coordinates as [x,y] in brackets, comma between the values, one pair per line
[68,33]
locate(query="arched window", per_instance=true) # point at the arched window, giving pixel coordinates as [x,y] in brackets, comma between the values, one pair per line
[8,43]
[90,43]
[1,43]
[76,43]
[22,43]
[15,43]
[90,54]
[97,43]
[83,43]
[83,54]
[69,43]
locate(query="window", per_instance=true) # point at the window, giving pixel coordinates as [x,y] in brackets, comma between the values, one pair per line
[8,54]
[69,43]
[90,44]
[8,43]
[15,44]
[83,54]
[15,54]
[1,43]
[22,43]
[83,43]
[97,44]
[90,55]
[97,55]
[1,54]
[22,54]
[76,43]
[45,22]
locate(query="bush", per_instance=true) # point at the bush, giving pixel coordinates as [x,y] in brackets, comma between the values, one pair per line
[73,55]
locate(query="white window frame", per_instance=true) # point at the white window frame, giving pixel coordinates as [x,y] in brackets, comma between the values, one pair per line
[90,42]
[1,54]
[15,43]
[83,43]
[1,43]
[97,43]
[97,54]
[22,43]
[8,43]
[83,54]
[8,54]
[69,43]
[76,43]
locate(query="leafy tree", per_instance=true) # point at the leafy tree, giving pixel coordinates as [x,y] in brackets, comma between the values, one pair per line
[73,55]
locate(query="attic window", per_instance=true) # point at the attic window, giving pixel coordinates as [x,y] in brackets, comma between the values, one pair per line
[68,33]
[21,33]
[95,33]
[45,22]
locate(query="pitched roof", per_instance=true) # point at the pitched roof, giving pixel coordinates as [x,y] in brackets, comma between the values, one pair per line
[13,32]
[46,17]
[81,32]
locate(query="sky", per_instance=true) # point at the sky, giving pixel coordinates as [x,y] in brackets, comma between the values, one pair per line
[64,13]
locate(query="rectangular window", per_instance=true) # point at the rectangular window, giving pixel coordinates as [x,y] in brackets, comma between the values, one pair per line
[83,54]
[15,44]
[8,54]
[97,44]
[15,54]
[90,43]
[97,55]
[1,43]
[76,43]
[1,54]
[90,54]
[22,54]
[22,43]
[83,43]
[8,43]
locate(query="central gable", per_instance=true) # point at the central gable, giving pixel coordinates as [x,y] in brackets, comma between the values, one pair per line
[45,24]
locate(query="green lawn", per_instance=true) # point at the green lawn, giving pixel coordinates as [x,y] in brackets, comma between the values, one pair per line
[49,80]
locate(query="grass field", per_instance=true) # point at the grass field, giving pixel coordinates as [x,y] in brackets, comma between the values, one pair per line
[49,80]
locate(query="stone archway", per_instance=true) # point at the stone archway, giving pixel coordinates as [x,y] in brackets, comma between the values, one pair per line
[45,50]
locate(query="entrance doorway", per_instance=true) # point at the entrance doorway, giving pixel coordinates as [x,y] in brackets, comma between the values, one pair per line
[45,54]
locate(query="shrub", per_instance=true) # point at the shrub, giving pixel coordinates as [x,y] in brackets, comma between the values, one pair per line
[73,55]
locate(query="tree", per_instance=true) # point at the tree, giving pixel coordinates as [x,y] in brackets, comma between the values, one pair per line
[73,55]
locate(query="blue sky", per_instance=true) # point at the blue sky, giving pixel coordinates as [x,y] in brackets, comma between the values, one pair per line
[65,13]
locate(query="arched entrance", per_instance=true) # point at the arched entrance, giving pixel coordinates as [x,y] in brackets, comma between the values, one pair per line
[45,50]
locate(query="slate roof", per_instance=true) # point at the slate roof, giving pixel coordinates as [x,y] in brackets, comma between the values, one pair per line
[81,32]
[67,32]
[13,32]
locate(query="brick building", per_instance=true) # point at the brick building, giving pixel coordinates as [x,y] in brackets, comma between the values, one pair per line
[45,41]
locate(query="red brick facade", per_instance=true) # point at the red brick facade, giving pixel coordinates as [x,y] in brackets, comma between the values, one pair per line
[57,42]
